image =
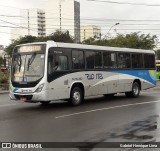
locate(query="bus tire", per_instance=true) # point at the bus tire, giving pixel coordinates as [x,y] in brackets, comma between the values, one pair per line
[76,96]
[135,90]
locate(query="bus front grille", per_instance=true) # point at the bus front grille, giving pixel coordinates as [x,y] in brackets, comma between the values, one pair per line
[28,97]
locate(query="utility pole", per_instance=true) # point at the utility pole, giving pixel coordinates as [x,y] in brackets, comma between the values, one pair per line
[60,14]
[28,24]
[84,34]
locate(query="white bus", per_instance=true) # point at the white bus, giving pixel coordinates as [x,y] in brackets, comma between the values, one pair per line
[48,71]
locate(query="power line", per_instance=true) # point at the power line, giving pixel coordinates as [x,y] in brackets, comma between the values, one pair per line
[13,24]
[125,3]
[66,25]
[9,6]
[69,25]
[94,19]
[81,36]
[8,33]
[10,23]
[87,29]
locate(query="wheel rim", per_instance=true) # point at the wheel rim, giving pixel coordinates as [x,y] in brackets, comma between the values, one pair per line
[135,89]
[76,96]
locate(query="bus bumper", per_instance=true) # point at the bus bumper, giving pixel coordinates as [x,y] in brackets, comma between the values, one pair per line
[30,97]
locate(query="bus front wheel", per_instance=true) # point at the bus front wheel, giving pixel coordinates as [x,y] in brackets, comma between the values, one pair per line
[135,90]
[76,97]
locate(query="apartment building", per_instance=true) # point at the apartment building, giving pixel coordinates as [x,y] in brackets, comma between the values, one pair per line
[32,22]
[63,15]
[90,31]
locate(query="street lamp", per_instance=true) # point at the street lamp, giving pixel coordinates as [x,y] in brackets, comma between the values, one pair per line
[111,28]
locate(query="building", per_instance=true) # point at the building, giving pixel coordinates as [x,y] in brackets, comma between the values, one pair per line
[32,22]
[63,15]
[15,33]
[90,32]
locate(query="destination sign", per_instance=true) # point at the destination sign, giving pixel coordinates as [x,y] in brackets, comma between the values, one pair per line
[33,48]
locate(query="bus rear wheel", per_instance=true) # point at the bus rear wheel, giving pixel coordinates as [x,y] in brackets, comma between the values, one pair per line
[76,96]
[135,90]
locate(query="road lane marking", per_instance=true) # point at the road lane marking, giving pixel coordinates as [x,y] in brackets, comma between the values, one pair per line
[5,105]
[101,109]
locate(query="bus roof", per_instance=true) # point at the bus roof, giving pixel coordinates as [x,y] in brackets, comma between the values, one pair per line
[91,47]
[94,47]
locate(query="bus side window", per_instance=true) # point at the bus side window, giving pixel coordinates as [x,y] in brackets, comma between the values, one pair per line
[57,63]
[62,63]
[124,60]
[109,59]
[78,59]
[90,59]
[137,61]
[149,61]
[98,60]
[93,60]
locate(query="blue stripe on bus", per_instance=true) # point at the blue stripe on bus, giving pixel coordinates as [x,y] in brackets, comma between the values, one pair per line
[148,75]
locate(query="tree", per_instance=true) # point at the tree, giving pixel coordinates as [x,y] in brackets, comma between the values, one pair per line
[21,40]
[58,36]
[133,40]
[1,61]
[158,54]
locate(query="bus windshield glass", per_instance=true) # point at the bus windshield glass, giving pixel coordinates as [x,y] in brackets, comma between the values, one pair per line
[28,63]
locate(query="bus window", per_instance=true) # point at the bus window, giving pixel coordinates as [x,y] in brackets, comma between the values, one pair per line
[109,59]
[149,61]
[137,61]
[90,59]
[124,60]
[62,63]
[57,63]
[98,60]
[93,60]
[78,59]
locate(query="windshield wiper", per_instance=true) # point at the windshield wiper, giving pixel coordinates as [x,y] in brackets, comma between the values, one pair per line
[30,60]
[18,60]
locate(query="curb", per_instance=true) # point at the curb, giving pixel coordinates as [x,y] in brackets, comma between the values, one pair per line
[4,92]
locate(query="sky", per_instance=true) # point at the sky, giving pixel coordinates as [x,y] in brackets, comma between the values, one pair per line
[131,18]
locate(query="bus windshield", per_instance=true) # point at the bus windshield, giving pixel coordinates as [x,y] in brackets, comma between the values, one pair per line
[27,66]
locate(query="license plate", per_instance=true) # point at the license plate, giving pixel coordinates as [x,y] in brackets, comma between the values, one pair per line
[23,99]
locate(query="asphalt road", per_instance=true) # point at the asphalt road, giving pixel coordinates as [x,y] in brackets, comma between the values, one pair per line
[117,119]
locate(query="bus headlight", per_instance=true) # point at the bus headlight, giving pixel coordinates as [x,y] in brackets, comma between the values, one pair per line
[39,89]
